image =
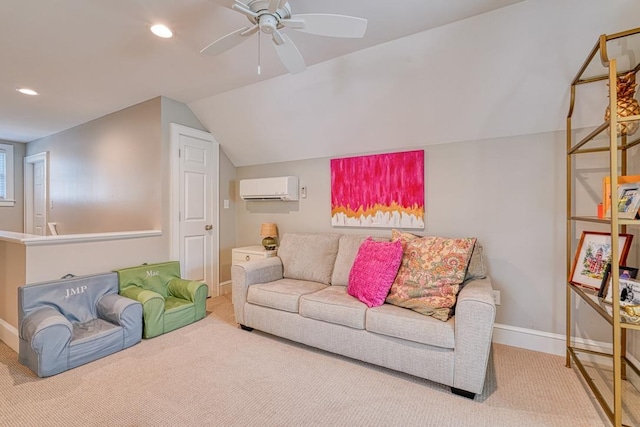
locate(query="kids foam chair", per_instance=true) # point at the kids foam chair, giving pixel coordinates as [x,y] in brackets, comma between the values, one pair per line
[72,321]
[168,301]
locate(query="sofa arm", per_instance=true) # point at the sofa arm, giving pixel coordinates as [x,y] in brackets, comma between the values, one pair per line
[193,291]
[474,318]
[250,273]
[152,309]
[47,334]
[124,312]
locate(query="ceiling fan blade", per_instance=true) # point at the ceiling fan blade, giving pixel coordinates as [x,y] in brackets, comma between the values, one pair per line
[275,5]
[289,54]
[230,40]
[331,25]
[296,24]
[242,8]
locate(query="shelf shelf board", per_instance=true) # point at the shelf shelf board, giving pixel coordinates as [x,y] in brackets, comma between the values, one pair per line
[621,221]
[604,309]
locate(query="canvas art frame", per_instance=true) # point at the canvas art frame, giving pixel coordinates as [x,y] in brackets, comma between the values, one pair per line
[592,256]
[379,191]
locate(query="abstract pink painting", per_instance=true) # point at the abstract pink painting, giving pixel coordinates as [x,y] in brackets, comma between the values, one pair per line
[382,190]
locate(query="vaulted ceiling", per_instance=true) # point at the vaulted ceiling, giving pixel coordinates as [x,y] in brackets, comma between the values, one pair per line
[426,72]
[88,58]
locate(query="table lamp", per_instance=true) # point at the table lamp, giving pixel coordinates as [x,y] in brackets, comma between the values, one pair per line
[269,231]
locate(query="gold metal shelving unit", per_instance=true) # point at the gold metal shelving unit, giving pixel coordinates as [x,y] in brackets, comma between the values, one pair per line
[600,67]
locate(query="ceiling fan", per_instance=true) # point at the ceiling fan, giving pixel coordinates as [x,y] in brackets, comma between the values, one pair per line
[270,16]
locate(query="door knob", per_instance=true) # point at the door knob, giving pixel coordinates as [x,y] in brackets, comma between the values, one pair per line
[208,227]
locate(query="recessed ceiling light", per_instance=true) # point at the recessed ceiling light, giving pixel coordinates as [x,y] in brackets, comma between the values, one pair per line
[27,91]
[162,31]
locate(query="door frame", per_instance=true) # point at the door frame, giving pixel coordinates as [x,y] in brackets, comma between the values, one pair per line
[174,210]
[29,161]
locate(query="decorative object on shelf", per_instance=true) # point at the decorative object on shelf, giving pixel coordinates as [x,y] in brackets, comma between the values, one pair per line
[269,231]
[382,190]
[593,255]
[606,188]
[629,293]
[625,273]
[627,105]
[628,200]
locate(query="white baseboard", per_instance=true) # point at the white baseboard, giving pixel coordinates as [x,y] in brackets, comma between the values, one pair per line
[545,342]
[9,335]
[225,287]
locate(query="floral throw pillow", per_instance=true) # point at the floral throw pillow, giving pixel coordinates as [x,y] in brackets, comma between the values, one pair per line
[431,272]
[373,271]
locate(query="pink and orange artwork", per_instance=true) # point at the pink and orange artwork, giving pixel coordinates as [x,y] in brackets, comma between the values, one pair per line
[382,190]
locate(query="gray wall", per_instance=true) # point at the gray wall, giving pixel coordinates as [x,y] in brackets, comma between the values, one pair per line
[507,192]
[106,175]
[12,218]
[111,174]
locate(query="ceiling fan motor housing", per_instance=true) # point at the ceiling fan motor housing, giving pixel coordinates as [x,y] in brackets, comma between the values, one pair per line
[268,22]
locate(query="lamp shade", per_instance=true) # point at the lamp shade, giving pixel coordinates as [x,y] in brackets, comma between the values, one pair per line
[268,229]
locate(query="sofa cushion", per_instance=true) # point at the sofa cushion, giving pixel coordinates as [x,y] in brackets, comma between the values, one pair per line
[334,305]
[347,250]
[308,256]
[408,325]
[283,294]
[476,269]
[373,271]
[431,272]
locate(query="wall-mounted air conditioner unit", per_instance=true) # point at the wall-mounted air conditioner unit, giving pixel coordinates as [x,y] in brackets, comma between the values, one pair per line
[276,188]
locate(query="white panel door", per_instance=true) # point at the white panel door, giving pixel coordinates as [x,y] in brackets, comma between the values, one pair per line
[35,194]
[197,185]
[39,208]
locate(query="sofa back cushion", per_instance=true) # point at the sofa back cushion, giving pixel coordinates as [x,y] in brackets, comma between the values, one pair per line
[347,251]
[476,269]
[308,256]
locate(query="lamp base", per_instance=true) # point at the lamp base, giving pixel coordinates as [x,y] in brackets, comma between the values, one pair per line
[269,243]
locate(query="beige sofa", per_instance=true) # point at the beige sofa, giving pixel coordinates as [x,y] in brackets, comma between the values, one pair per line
[301,295]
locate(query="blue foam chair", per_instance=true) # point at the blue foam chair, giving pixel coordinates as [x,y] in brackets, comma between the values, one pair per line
[69,322]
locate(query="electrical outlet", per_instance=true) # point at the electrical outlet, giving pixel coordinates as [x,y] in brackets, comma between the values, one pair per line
[496,297]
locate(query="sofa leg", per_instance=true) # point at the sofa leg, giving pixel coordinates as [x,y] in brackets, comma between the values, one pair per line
[463,393]
[246,328]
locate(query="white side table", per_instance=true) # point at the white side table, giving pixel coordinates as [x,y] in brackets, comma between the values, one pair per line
[250,253]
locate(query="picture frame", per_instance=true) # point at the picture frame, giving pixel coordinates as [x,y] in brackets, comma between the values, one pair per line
[628,200]
[629,293]
[592,256]
[625,273]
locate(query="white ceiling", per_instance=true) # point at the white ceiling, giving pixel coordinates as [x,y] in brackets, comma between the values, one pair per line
[88,58]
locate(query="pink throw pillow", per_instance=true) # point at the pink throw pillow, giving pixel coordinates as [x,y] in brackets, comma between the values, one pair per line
[374,270]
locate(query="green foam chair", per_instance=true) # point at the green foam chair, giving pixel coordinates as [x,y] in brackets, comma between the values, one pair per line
[168,302]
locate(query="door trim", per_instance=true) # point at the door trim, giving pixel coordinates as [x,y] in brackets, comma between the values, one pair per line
[174,200]
[29,161]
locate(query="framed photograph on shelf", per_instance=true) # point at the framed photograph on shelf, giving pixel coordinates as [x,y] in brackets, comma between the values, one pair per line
[592,256]
[628,200]
[629,293]
[625,273]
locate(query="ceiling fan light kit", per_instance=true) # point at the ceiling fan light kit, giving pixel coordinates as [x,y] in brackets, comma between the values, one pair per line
[269,17]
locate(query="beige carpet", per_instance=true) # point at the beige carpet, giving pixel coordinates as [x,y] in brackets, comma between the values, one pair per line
[213,373]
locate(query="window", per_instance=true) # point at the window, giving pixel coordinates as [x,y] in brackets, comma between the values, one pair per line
[6,175]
